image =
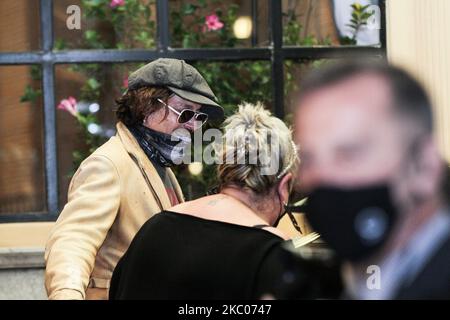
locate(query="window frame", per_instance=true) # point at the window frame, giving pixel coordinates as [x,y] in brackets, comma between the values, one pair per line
[47,58]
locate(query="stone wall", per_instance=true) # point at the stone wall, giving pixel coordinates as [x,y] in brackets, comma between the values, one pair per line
[22,274]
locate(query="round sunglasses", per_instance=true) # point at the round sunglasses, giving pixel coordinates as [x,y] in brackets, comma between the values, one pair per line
[186,115]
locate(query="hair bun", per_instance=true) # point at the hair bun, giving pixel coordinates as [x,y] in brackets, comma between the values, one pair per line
[249,140]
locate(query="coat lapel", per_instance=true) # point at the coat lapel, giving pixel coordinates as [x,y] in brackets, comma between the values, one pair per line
[176,185]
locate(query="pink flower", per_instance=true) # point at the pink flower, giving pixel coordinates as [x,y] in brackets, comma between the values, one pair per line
[116,3]
[69,105]
[213,23]
[125,82]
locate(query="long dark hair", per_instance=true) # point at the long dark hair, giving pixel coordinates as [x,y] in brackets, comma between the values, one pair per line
[135,105]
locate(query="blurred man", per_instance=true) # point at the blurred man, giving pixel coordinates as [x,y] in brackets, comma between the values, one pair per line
[374,179]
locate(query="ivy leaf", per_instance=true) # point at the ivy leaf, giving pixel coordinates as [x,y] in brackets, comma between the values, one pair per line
[92,37]
[143,36]
[93,3]
[120,45]
[30,94]
[60,44]
[93,83]
[189,9]
[188,41]
[36,72]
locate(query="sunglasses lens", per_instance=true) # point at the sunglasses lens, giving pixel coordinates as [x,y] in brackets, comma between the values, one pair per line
[186,115]
[202,117]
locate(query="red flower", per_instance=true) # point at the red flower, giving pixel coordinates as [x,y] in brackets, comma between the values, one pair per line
[213,23]
[116,3]
[69,105]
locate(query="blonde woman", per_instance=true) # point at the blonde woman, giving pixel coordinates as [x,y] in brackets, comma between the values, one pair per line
[224,245]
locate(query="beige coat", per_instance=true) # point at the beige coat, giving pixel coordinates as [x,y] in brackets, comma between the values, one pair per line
[114,191]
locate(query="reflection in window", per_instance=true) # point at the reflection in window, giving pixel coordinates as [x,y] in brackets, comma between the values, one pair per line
[294,73]
[358,23]
[330,22]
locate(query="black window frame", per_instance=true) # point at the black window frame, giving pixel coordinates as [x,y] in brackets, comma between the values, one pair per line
[47,58]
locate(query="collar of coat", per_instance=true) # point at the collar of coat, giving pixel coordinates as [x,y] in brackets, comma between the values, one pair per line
[147,168]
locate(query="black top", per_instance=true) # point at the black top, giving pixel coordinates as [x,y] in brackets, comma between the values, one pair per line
[179,256]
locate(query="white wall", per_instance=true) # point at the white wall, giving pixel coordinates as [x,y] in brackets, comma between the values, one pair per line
[418,39]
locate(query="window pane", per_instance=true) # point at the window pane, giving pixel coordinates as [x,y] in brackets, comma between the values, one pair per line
[331,22]
[294,73]
[19,25]
[22,184]
[215,23]
[105,24]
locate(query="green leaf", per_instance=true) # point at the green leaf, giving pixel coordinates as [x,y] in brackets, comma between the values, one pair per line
[93,3]
[60,44]
[36,72]
[189,9]
[91,36]
[30,94]
[93,83]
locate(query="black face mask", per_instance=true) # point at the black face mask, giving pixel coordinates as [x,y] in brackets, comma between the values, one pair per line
[353,222]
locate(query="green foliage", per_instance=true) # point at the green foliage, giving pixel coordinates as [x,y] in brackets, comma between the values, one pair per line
[59,44]
[36,72]
[188,29]
[131,25]
[360,16]
[92,141]
[292,32]
[30,94]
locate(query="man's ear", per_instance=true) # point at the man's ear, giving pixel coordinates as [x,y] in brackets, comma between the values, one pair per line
[429,170]
[284,187]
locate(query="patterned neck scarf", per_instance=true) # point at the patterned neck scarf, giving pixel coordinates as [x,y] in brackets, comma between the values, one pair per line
[164,149]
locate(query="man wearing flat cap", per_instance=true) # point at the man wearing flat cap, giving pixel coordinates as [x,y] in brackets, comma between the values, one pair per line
[128,179]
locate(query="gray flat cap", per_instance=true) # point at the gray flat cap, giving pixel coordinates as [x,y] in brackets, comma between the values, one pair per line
[181,78]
